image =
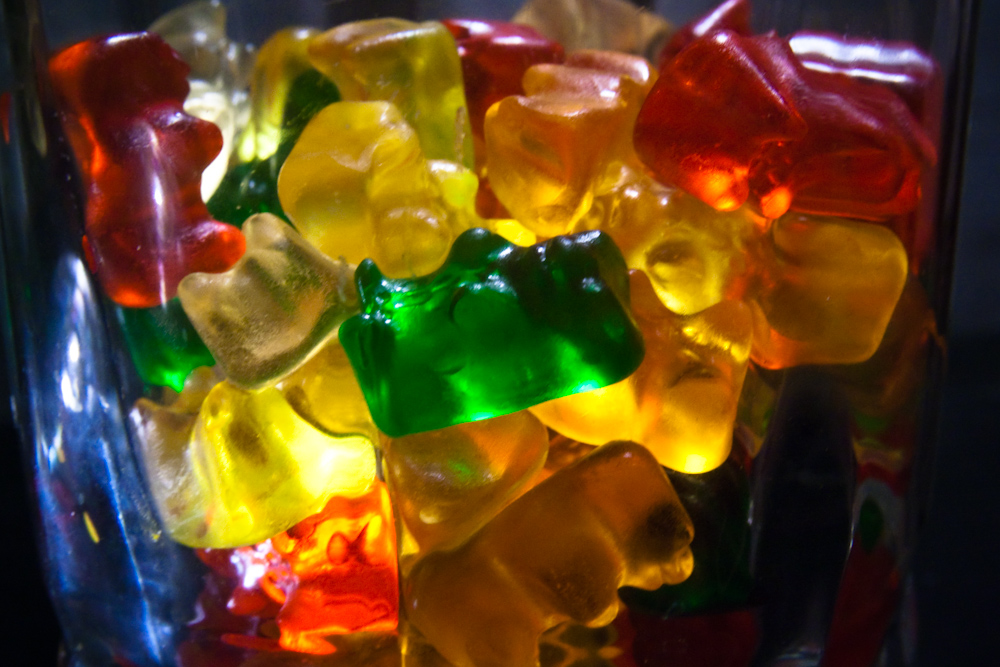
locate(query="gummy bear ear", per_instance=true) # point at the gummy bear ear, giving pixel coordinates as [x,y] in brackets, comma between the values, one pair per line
[474,246]
[370,281]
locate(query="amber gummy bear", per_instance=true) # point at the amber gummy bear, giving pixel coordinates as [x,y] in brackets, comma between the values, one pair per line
[558,553]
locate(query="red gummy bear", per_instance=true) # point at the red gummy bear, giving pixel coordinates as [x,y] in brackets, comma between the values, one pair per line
[732,15]
[733,117]
[899,66]
[495,55]
[121,100]
[711,114]
[332,573]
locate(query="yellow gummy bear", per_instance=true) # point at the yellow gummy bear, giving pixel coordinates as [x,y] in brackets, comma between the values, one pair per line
[325,392]
[242,467]
[681,402]
[280,60]
[826,289]
[356,185]
[447,483]
[413,65]
[694,255]
[546,153]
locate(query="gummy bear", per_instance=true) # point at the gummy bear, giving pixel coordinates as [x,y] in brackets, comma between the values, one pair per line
[220,73]
[734,117]
[356,185]
[718,503]
[824,292]
[275,307]
[613,25]
[141,159]
[341,572]
[558,553]
[591,74]
[732,15]
[325,393]
[287,92]
[447,483]
[548,152]
[694,255]
[899,66]
[495,56]
[239,466]
[413,65]
[681,401]
[497,329]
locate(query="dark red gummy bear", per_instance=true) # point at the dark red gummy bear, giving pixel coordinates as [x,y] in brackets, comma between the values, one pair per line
[733,117]
[121,100]
[732,15]
[899,66]
[495,55]
[710,115]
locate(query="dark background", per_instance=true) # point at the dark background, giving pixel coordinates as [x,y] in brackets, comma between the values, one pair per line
[957,587]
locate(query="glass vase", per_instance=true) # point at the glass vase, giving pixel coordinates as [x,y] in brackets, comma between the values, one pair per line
[802,536]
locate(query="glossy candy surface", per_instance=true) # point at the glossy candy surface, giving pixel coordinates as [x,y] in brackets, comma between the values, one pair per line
[286,92]
[450,482]
[140,158]
[325,392]
[557,553]
[220,69]
[596,24]
[827,289]
[274,308]
[412,65]
[228,467]
[734,117]
[356,185]
[333,573]
[681,401]
[476,427]
[497,329]
[495,56]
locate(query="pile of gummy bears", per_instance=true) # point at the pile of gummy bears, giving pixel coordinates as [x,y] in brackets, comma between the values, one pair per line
[434,318]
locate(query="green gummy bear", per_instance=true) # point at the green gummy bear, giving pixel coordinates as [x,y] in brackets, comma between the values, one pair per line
[252,187]
[163,344]
[497,329]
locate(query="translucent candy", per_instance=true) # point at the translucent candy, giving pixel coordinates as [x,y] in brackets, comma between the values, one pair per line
[220,75]
[356,185]
[615,25]
[274,308]
[825,291]
[447,483]
[497,329]
[559,552]
[681,401]
[241,466]
[141,159]
[413,65]
[325,392]
[549,152]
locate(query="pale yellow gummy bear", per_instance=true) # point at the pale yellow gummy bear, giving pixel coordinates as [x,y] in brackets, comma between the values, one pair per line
[274,308]
[279,62]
